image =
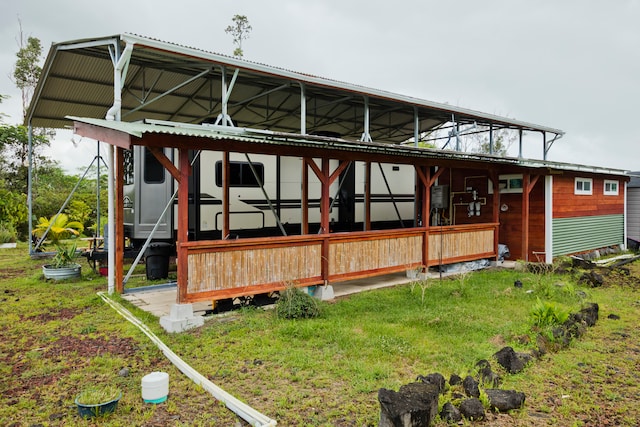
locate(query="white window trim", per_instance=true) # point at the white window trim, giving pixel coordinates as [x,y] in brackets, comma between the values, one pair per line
[583,192]
[611,192]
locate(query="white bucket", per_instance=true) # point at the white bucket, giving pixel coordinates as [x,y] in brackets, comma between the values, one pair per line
[155,387]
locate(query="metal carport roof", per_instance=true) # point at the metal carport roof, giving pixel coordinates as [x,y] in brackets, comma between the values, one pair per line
[166,81]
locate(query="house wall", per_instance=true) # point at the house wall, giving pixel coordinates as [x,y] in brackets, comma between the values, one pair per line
[511,222]
[583,222]
[633,213]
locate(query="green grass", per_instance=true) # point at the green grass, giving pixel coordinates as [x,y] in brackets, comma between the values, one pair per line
[57,339]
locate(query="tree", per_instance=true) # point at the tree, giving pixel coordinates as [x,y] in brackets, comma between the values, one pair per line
[239,30]
[14,152]
[26,71]
[59,226]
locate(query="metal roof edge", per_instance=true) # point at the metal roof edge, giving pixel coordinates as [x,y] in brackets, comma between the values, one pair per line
[247,134]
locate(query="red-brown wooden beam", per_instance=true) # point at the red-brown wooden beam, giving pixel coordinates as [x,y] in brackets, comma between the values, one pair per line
[111,136]
[158,153]
[526,188]
[324,219]
[119,219]
[183,223]
[495,183]
[424,174]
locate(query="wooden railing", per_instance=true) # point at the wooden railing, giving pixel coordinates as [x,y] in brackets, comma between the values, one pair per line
[230,268]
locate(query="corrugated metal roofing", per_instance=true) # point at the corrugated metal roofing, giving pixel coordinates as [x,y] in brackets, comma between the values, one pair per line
[161,84]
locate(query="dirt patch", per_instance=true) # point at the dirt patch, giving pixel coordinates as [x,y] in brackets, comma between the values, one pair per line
[12,273]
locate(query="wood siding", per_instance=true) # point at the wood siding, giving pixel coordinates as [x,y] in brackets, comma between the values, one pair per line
[511,222]
[581,234]
[567,204]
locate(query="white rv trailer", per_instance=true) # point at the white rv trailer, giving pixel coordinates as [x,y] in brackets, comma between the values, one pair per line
[264,193]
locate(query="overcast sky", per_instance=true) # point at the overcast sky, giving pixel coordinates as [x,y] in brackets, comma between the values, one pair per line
[571,64]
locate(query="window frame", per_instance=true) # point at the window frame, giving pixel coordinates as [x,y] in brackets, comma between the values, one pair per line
[241,175]
[611,192]
[508,183]
[582,191]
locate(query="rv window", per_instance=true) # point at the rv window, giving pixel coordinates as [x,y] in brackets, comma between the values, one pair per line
[153,169]
[128,166]
[241,174]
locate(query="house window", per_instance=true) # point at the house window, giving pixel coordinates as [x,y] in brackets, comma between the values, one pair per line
[610,187]
[508,184]
[583,186]
[241,175]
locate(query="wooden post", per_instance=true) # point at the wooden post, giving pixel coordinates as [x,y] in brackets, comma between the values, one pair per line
[183,223]
[525,216]
[324,219]
[495,181]
[119,219]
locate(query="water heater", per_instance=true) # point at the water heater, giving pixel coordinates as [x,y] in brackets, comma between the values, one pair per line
[440,197]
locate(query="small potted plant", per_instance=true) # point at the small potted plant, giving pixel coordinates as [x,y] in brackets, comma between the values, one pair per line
[64,265]
[98,401]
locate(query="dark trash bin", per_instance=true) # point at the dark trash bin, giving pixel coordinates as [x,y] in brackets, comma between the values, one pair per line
[157,260]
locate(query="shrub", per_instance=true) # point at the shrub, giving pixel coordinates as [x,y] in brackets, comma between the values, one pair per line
[545,313]
[296,304]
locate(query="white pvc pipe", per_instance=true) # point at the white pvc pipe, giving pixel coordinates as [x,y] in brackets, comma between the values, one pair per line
[243,410]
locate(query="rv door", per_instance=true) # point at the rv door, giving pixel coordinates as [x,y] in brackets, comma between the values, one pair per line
[153,189]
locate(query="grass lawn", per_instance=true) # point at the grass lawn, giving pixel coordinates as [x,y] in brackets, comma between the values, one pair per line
[57,339]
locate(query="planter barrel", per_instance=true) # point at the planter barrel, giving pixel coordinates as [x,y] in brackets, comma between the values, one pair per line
[61,273]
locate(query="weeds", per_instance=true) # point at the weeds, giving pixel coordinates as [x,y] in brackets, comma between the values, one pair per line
[296,304]
[547,313]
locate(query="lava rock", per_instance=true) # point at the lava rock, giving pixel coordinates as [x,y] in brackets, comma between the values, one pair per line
[435,379]
[509,360]
[470,386]
[472,409]
[450,413]
[505,400]
[415,404]
[455,379]
[592,279]
[487,376]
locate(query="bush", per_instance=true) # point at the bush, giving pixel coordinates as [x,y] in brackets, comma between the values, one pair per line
[296,304]
[8,233]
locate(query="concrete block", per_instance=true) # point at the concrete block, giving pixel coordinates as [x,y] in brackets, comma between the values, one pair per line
[323,292]
[181,318]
